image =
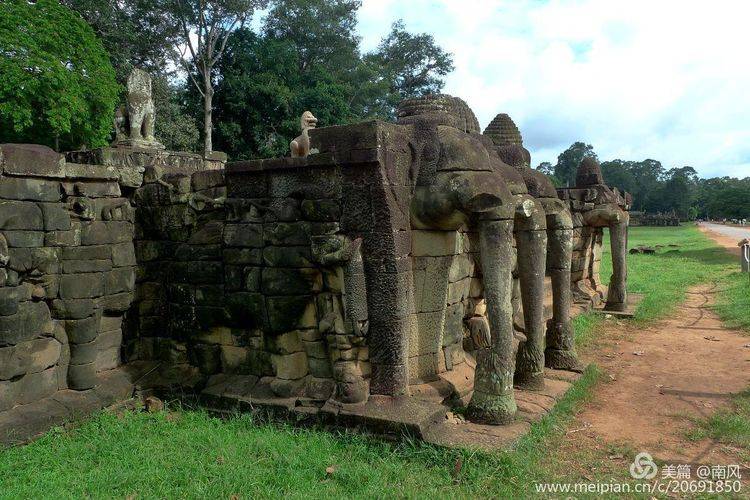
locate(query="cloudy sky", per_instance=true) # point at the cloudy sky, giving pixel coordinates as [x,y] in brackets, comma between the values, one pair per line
[661,79]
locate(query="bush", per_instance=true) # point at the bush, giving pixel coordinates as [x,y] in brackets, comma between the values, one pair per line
[57,86]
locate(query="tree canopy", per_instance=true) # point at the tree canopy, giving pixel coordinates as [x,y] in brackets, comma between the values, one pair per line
[306,57]
[567,162]
[57,86]
[658,189]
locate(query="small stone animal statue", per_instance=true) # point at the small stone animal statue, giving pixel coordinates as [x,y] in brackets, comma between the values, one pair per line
[301,145]
[140,106]
[134,122]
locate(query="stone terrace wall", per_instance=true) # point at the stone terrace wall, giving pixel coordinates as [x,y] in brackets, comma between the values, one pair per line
[180,300]
[67,271]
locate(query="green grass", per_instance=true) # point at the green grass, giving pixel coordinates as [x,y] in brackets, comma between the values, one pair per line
[190,454]
[665,277]
[194,455]
[733,301]
[728,425]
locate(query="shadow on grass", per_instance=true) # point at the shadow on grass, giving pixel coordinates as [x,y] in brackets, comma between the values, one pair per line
[711,256]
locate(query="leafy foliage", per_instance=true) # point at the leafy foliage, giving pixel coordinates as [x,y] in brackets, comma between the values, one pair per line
[412,64]
[307,57]
[568,161]
[135,34]
[57,86]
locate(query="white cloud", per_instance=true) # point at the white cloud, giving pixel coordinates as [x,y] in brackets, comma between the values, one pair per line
[638,79]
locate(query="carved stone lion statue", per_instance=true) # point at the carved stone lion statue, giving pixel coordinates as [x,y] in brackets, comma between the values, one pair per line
[134,122]
[300,146]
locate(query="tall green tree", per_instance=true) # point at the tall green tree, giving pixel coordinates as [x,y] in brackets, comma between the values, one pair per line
[322,32]
[412,64]
[568,161]
[135,34]
[57,85]
[306,56]
[205,28]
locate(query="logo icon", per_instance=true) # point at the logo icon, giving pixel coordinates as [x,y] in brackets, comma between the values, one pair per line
[643,467]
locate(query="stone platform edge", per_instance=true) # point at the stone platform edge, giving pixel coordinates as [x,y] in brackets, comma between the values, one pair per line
[418,416]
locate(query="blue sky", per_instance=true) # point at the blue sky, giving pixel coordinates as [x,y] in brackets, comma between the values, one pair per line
[661,79]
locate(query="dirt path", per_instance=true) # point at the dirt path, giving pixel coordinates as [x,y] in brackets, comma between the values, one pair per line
[726,240]
[658,379]
[685,366]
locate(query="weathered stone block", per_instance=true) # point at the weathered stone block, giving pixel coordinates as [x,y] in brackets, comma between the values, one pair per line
[206,357]
[55,216]
[317,183]
[8,394]
[81,286]
[290,366]
[119,280]
[285,281]
[207,179]
[92,189]
[245,309]
[86,266]
[82,377]
[9,299]
[425,333]
[81,331]
[21,215]
[243,256]
[31,160]
[234,359]
[72,308]
[321,210]
[116,303]
[103,252]
[81,354]
[32,320]
[290,313]
[209,295]
[320,368]
[288,256]
[28,357]
[18,188]
[123,254]
[285,343]
[110,324]
[69,238]
[24,239]
[107,359]
[36,386]
[37,260]
[287,233]
[106,232]
[210,233]
[243,235]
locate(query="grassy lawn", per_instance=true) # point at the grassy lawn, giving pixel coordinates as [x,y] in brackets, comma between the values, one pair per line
[189,454]
[664,277]
[728,425]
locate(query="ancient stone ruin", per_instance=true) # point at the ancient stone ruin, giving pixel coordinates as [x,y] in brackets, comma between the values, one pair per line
[134,122]
[395,273]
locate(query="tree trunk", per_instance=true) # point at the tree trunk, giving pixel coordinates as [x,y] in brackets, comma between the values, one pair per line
[207,114]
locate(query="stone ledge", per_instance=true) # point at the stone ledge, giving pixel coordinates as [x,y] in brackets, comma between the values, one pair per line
[24,423]
[423,415]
